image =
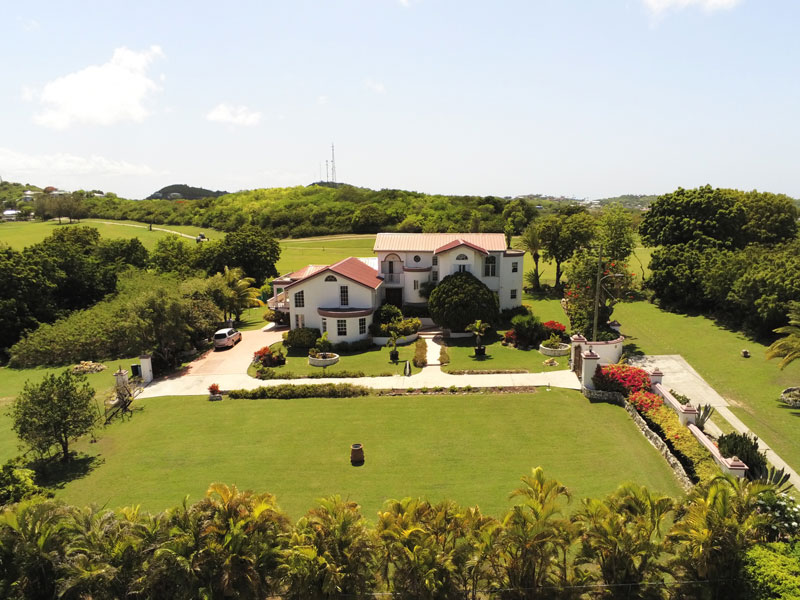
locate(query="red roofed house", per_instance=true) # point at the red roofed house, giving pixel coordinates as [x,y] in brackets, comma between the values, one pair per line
[341,298]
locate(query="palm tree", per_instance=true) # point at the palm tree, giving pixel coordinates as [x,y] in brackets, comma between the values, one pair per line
[531,243]
[787,348]
[241,293]
[721,521]
[332,553]
[533,541]
[625,536]
[479,328]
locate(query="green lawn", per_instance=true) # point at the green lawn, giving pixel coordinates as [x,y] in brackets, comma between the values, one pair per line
[13,380]
[296,254]
[18,235]
[471,448]
[751,385]
[498,357]
[373,362]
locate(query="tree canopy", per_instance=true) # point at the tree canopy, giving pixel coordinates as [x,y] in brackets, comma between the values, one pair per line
[460,299]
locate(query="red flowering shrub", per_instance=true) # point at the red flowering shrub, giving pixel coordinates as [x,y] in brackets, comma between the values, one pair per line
[555,327]
[510,336]
[621,378]
[213,389]
[267,358]
[644,402]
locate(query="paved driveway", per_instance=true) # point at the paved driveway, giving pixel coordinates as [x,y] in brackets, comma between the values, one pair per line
[233,361]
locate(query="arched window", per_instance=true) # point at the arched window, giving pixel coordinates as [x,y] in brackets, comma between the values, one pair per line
[490,267]
[462,257]
[330,278]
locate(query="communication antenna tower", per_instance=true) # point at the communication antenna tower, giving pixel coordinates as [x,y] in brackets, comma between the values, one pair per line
[333,164]
[327,177]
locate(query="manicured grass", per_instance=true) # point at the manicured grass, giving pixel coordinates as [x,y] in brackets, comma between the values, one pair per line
[471,448]
[18,235]
[13,380]
[546,310]
[372,362]
[296,254]
[752,385]
[498,357]
[252,319]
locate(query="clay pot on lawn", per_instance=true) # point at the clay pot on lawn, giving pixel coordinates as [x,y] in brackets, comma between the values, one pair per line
[356,455]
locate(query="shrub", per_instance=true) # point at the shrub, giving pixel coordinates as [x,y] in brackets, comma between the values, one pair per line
[772,571]
[418,310]
[357,346]
[310,390]
[746,449]
[554,341]
[420,353]
[267,358]
[387,313]
[644,402]
[302,337]
[402,327]
[696,460]
[323,345]
[554,327]
[784,513]
[270,315]
[680,397]
[528,329]
[266,374]
[509,313]
[213,389]
[444,356]
[623,379]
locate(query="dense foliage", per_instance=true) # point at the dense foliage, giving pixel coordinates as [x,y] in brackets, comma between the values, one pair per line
[311,390]
[732,254]
[745,447]
[631,544]
[460,299]
[623,379]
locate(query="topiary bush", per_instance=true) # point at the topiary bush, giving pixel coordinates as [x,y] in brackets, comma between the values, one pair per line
[460,299]
[300,338]
[420,353]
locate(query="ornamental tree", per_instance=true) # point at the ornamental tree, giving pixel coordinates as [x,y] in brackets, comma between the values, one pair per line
[461,299]
[54,412]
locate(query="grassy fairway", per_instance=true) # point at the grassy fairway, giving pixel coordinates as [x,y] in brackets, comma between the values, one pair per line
[18,235]
[472,448]
[751,385]
[296,254]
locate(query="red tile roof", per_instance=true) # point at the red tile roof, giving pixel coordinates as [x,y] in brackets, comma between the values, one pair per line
[306,271]
[429,242]
[351,268]
[456,244]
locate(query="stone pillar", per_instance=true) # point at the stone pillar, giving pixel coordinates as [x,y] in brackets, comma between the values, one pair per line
[656,376]
[588,367]
[122,378]
[578,344]
[734,466]
[147,368]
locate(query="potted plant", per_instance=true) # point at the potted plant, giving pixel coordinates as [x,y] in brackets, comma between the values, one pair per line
[214,392]
[479,328]
[394,337]
[323,347]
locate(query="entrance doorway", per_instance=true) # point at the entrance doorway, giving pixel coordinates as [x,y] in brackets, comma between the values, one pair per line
[394,296]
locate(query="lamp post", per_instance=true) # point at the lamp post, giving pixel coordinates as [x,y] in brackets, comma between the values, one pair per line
[597,291]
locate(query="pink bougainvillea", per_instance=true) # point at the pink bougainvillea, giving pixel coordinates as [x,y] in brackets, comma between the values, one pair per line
[644,402]
[621,378]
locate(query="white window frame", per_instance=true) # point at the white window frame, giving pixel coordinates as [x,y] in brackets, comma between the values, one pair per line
[416,284]
[299,299]
[490,266]
[344,295]
[324,324]
[362,326]
[299,320]
[514,267]
[341,327]
[513,294]
[435,261]
[434,276]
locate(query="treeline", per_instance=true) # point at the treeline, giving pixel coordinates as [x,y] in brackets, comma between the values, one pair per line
[76,296]
[726,540]
[734,255]
[321,210]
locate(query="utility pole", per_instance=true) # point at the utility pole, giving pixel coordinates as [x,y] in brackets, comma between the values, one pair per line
[333,164]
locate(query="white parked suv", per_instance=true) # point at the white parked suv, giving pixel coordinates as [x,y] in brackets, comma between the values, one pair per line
[227,338]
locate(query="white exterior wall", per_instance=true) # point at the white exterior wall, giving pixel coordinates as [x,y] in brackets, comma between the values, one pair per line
[325,294]
[502,283]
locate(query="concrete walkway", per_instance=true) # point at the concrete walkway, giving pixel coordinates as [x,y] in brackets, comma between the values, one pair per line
[681,377]
[195,382]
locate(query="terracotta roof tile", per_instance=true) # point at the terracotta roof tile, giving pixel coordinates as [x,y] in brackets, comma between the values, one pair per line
[352,268]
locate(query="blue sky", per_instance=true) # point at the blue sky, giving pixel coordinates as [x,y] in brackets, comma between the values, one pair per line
[587,98]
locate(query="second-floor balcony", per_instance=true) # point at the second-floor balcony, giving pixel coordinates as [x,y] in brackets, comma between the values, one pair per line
[393,279]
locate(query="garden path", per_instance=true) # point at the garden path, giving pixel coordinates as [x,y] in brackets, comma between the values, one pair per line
[680,376]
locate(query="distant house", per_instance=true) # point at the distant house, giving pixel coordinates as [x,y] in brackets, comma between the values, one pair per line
[11,214]
[341,298]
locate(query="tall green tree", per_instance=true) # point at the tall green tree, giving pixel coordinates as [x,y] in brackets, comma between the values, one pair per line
[253,250]
[55,412]
[562,234]
[769,218]
[532,243]
[460,299]
[615,233]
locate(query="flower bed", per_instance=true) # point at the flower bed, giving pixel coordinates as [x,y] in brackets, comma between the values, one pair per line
[623,379]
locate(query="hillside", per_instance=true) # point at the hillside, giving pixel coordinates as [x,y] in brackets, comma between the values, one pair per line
[185,192]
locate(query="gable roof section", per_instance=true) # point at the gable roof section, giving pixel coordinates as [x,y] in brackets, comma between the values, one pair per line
[351,268]
[430,242]
[458,243]
[306,271]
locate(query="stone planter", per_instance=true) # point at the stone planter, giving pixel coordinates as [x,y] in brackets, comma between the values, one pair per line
[394,355]
[480,351]
[214,397]
[330,359]
[791,397]
[562,350]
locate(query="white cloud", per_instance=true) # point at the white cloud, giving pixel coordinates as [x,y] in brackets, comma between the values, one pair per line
[321,100]
[101,94]
[659,6]
[375,86]
[15,164]
[236,115]
[28,25]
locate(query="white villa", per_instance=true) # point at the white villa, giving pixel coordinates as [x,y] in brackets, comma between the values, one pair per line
[342,297]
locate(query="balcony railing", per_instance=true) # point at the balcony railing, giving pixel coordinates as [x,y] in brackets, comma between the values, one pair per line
[284,305]
[393,278]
